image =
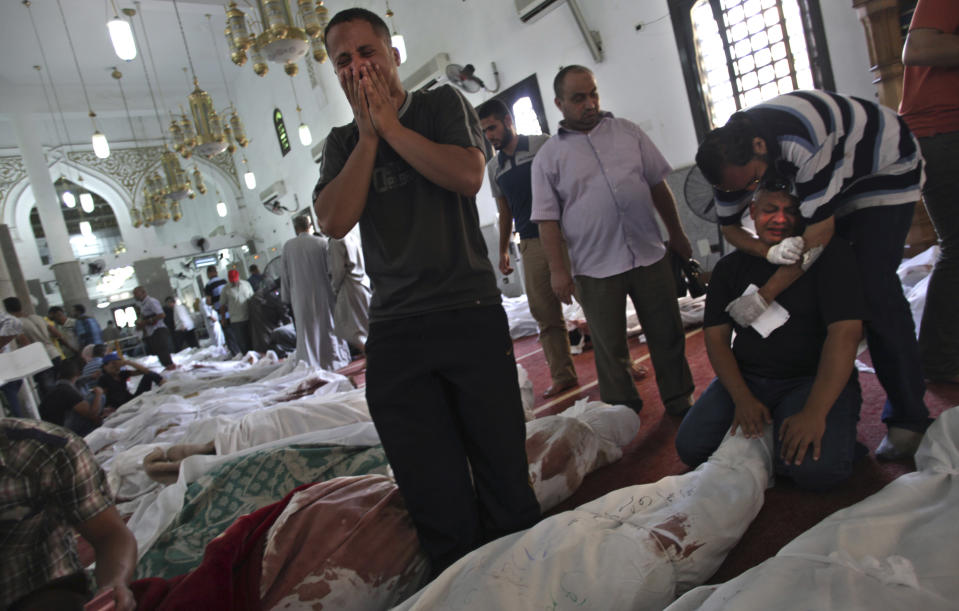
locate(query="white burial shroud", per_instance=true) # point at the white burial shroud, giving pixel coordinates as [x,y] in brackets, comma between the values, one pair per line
[896,549]
[632,549]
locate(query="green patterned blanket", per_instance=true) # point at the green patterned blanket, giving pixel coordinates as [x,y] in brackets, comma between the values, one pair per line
[244,485]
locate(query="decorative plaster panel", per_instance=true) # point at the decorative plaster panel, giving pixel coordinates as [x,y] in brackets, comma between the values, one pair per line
[12,171]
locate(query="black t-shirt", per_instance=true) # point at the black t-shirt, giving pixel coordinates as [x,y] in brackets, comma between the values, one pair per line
[423,247]
[115,391]
[828,292]
[58,403]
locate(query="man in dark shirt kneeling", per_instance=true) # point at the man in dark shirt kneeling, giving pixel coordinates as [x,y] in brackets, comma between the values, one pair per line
[793,367]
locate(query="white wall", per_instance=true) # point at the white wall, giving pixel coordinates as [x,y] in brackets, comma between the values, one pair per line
[640,79]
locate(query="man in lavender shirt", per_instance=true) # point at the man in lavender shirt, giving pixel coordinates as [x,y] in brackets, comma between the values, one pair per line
[601,181]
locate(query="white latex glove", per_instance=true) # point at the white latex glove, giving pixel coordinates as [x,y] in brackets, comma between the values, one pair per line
[809,257]
[786,252]
[744,310]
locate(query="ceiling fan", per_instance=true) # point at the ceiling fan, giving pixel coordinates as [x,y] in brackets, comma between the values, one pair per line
[465,78]
[273,205]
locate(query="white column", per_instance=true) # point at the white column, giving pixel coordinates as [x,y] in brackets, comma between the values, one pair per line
[48,204]
[64,264]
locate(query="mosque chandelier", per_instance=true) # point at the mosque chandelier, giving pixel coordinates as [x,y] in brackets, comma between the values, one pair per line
[206,135]
[284,36]
[166,186]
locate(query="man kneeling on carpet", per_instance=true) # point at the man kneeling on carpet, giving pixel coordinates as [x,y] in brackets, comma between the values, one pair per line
[794,366]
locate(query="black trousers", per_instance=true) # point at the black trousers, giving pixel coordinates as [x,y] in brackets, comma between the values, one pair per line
[185,339]
[444,396]
[158,343]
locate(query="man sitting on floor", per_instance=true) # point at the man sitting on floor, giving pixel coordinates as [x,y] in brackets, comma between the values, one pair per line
[793,367]
[52,485]
[114,380]
[68,405]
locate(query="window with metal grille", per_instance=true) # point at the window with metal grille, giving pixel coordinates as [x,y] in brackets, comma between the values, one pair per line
[737,53]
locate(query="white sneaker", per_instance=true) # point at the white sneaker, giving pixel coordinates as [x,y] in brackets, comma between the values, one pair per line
[898,443]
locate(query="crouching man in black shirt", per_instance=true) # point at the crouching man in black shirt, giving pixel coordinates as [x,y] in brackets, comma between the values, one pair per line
[114,380]
[800,375]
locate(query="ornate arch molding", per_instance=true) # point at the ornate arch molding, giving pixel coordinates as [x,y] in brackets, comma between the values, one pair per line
[128,167]
[12,171]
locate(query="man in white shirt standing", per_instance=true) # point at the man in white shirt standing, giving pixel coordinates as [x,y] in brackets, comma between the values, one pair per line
[234,300]
[184,329]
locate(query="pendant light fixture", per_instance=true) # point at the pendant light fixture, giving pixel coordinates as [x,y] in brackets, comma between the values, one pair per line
[306,138]
[121,34]
[235,131]
[210,139]
[249,177]
[100,145]
[282,40]
[397,40]
[221,209]
[86,202]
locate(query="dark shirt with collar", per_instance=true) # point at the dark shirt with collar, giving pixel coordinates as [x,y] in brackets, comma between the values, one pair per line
[509,177]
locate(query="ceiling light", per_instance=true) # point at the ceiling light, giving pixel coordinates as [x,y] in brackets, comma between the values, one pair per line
[249,177]
[396,39]
[122,36]
[85,229]
[306,138]
[221,209]
[86,202]
[100,145]
[399,43]
[69,200]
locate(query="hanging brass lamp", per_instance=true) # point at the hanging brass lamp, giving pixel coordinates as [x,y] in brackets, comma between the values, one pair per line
[281,40]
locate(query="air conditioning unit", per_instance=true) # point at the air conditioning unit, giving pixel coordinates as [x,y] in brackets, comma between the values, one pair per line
[531,10]
[428,74]
[274,191]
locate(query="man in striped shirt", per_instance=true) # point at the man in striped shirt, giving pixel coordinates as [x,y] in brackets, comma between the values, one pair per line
[857,172]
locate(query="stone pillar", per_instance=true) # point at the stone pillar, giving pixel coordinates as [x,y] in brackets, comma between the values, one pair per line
[72,288]
[64,264]
[12,282]
[152,275]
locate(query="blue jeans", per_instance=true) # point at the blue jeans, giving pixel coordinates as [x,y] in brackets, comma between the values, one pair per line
[708,420]
[878,235]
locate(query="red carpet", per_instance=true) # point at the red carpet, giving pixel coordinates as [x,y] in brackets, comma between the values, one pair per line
[787,511]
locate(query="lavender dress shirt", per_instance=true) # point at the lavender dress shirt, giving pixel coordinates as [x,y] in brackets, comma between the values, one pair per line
[597,185]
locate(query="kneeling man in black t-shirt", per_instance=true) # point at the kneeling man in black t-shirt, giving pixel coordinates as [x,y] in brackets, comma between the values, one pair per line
[794,366]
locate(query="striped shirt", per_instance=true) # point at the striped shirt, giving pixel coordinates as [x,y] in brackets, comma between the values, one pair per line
[843,153]
[49,481]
